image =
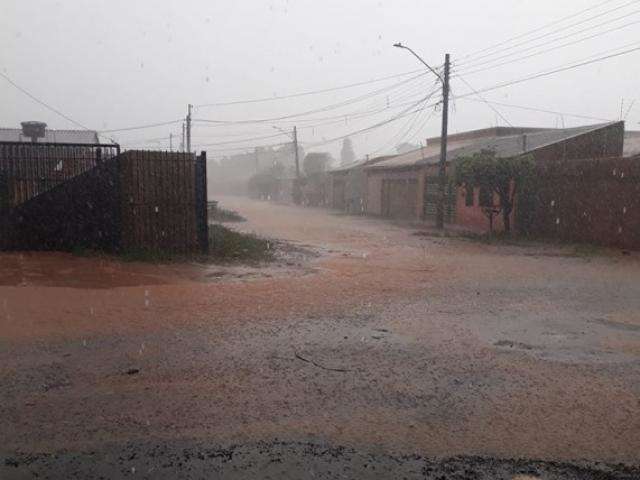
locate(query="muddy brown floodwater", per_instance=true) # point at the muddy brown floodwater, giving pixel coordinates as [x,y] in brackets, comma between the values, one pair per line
[388,349]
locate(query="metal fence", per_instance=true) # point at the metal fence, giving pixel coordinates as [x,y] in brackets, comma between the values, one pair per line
[61,197]
[29,169]
[164,203]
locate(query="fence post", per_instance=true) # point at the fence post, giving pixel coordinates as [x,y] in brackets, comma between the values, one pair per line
[201,202]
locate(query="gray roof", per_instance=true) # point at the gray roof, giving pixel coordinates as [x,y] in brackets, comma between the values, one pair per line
[51,136]
[504,146]
[360,163]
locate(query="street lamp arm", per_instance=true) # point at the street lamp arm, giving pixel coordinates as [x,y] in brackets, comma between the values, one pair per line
[400,45]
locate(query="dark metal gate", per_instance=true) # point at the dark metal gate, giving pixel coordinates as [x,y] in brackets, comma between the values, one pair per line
[30,169]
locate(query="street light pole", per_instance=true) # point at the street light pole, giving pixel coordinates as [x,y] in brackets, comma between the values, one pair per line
[442,166]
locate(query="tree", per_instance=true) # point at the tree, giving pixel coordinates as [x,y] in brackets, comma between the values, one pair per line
[266,183]
[315,163]
[347,155]
[504,177]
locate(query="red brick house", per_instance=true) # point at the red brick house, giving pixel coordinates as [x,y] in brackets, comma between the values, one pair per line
[405,186]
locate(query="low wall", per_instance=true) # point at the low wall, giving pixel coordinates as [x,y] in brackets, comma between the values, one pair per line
[592,201]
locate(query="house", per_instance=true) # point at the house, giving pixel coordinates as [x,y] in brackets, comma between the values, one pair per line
[347,185]
[631,143]
[47,135]
[35,158]
[405,187]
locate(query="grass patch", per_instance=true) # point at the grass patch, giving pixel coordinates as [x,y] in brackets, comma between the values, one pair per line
[227,244]
[224,215]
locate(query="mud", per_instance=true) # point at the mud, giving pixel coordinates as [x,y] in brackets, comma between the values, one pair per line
[386,342]
[286,460]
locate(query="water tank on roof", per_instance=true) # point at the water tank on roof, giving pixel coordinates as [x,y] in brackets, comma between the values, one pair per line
[33,130]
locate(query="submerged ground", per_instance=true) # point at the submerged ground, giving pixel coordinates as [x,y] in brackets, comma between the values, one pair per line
[383,356]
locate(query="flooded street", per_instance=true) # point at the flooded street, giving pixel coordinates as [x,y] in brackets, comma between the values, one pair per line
[382,341]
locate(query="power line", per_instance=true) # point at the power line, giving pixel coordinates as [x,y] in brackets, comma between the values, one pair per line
[313,92]
[557,30]
[589,37]
[491,67]
[552,72]
[540,110]
[405,134]
[244,148]
[495,110]
[41,102]
[322,109]
[141,127]
[305,127]
[538,29]
[400,115]
[407,111]
[229,142]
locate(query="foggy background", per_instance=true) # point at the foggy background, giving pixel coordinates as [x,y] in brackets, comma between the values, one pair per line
[115,64]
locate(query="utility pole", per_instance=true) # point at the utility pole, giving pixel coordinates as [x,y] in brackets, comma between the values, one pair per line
[255,150]
[296,188]
[189,108]
[295,148]
[171,142]
[296,193]
[182,144]
[442,170]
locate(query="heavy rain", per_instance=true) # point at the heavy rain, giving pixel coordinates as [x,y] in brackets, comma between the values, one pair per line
[290,239]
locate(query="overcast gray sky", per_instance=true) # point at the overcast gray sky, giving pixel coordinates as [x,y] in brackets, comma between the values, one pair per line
[116,63]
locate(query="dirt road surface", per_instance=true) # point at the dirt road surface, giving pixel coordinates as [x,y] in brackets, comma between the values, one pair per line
[386,355]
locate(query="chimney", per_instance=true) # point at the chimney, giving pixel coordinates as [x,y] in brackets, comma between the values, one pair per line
[524,142]
[33,130]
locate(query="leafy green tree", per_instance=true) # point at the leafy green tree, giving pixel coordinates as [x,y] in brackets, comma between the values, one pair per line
[502,176]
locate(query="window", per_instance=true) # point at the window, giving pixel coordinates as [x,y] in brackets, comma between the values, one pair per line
[468,198]
[486,197]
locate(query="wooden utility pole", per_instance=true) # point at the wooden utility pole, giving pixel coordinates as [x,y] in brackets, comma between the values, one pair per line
[189,108]
[297,193]
[442,170]
[295,148]
[255,151]
[171,142]
[182,144]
